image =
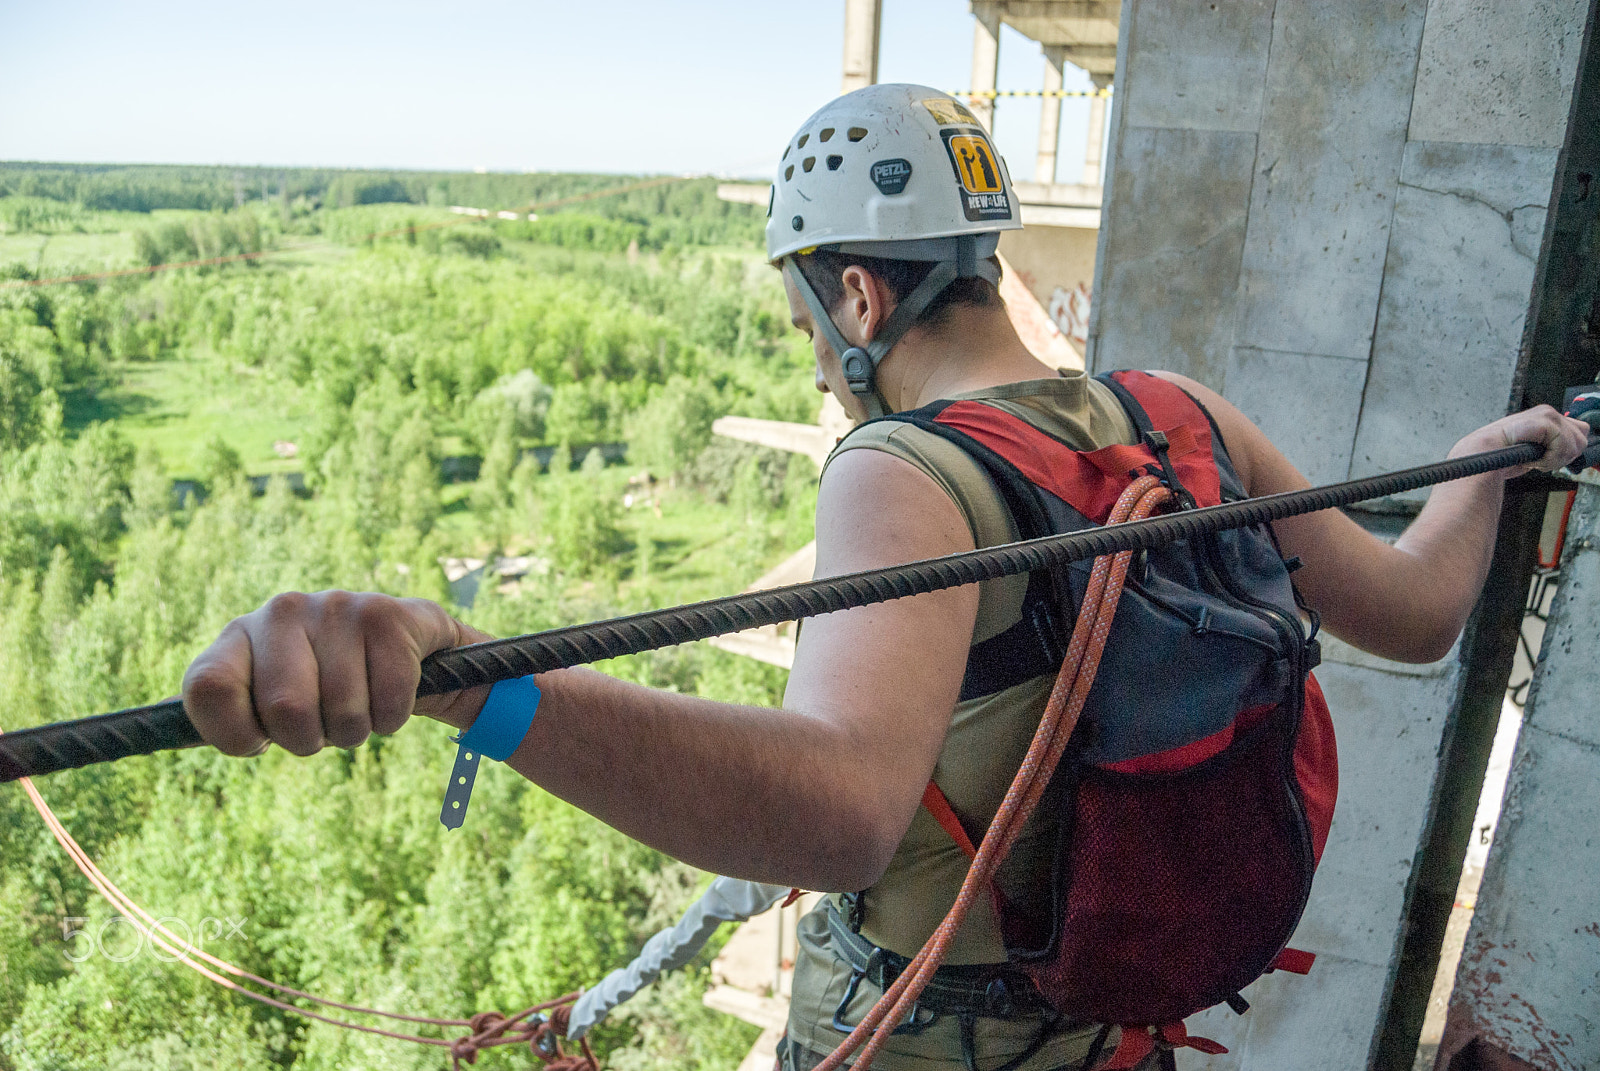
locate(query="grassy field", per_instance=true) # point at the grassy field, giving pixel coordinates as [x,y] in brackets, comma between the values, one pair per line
[177,406]
[81,241]
[53,253]
[694,545]
[699,548]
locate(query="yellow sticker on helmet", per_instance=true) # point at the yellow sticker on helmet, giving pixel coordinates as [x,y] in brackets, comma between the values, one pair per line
[983,188]
[975,163]
[947,112]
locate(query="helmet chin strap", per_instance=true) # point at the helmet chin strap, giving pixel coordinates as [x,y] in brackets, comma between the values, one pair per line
[860,365]
[856,362]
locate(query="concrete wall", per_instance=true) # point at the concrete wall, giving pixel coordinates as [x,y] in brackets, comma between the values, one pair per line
[1330,213]
[1529,982]
[1339,197]
[1048,258]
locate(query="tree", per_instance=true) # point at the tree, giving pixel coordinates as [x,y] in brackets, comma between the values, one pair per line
[220,465]
[492,492]
[672,428]
[19,402]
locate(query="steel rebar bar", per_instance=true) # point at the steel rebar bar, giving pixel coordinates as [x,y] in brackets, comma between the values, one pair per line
[164,726]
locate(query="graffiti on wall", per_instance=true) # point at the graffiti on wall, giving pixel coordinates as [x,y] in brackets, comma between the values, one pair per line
[1070,311]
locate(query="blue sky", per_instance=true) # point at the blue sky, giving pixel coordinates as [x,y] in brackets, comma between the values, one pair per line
[680,86]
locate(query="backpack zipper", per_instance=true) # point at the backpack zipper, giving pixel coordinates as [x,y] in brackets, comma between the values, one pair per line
[1290,627]
[1201,625]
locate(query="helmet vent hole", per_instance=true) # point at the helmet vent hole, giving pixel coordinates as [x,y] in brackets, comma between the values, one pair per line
[808,163]
[788,173]
[802,142]
[787,149]
[834,162]
[857,133]
[827,132]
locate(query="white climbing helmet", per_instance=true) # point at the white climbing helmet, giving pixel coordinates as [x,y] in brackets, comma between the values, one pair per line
[901,172]
[888,163]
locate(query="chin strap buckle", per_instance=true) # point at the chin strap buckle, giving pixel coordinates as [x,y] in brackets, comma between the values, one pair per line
[857,365]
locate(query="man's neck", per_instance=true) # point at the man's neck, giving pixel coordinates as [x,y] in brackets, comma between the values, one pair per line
[974,348]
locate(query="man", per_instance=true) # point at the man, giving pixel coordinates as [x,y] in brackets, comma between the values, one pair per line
[884,220]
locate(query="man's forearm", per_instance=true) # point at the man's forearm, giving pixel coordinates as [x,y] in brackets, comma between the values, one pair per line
[1451,544]
[770,795]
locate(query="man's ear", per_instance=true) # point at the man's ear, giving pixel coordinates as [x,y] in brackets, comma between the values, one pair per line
[866,306]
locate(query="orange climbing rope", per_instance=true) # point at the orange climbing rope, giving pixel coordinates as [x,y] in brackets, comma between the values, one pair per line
[540,1031]
[1141,498]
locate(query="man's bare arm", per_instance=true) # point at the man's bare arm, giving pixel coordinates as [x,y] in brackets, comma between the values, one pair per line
[816,795]
[1410,600]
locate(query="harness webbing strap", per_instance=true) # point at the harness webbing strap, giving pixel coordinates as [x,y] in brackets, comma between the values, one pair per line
[934,800]
[958,260]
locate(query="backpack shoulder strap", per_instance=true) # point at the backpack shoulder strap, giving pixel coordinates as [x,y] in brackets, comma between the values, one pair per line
[1177,429]
[1032,646]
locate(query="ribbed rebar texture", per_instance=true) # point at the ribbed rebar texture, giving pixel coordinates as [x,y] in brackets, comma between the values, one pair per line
[143,730]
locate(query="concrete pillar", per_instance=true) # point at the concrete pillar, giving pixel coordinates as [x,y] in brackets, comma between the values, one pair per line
[1330,213]
[1094,147]
[985,61]
[863,24]
[1526,989]
[1044,168]
[1529,973]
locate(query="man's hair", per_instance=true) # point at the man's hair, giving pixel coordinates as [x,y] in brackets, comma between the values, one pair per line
[824,268]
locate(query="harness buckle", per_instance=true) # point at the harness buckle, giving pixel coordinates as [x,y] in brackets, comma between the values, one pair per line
[916,1021]
[997,997]
[1159,444]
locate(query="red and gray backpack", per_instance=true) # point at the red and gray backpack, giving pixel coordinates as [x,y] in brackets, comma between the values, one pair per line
[1194,800]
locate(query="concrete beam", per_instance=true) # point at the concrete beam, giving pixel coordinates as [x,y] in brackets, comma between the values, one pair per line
[1094,143]
[1168,271]
[808,439]
[1467,222]
[1530,972]
[772,644]
[764,644]
[1037,215]
[1338,92]
[1087,31]
[1089,56]
[1196,67]
[985,62]
[863,26]
[1061,194]
[745,193]
[1044,166]
[1271,230]
[1497,73]
[1055,9]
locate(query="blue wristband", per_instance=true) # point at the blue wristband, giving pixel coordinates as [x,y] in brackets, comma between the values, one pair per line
[504,719]
[500,726]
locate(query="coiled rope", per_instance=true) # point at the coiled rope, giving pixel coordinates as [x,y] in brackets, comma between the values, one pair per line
[162,726]
[540,1027]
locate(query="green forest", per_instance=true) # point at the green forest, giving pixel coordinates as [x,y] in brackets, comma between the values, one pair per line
[360,380]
